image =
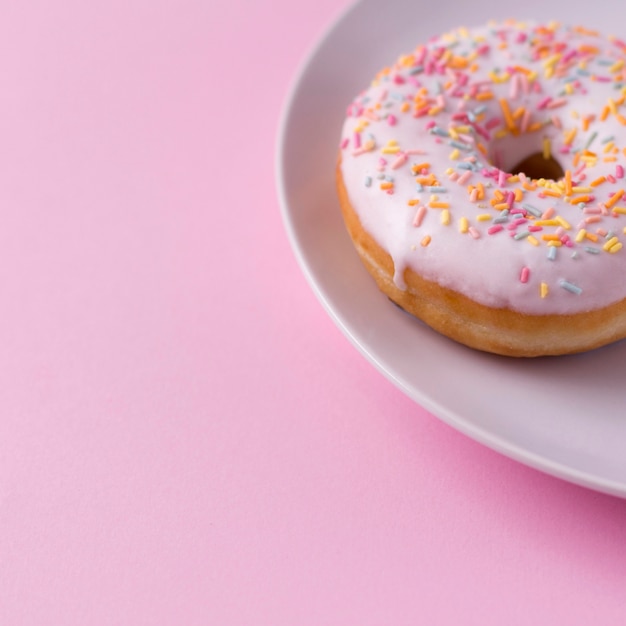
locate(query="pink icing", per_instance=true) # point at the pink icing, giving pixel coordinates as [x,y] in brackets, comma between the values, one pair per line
[466,108]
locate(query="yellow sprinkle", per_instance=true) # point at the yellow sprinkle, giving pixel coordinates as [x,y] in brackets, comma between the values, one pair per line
[555,243]
[533,240]
[563,222]
[425,240]
[547,148]
[390,150]
[616,248]
[617,66]
[609,146]
[610,243]
[454,155]
[547,222]
[580,235]
[619,209]
[570,136]
[483,217]
[543,289]
[463,225]
[445,217]
[582,189]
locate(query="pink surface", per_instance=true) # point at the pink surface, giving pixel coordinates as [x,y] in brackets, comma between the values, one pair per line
[186,438]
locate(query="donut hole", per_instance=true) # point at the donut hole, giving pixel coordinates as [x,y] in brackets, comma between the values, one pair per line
[538,166]
[516,154]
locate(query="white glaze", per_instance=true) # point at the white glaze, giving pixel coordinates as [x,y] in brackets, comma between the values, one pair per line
[488,268]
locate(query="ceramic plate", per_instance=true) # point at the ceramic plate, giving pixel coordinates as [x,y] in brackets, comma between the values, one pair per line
[562,415]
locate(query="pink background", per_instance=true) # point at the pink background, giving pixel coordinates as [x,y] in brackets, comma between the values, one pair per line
[186,438]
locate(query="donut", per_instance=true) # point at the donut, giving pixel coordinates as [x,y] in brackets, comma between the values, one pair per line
[481,180]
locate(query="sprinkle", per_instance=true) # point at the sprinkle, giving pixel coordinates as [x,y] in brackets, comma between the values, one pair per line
[592,250]
[463,178]
[531,209]
[445,217]
[570,287]
[524,274]
[463,225]
[474,232]
[619,171]
[610,243]
[368,181]
[547,148]
[435,204]
[425,241]
[543,290]
[614,199]
[496,228]
[419,216]
[552,253]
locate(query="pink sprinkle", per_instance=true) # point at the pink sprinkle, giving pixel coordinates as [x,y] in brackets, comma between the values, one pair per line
[392,119]
[556,120]
[344,143]
[502,178]
[514,87]
[544,103]
[401,160]
[454,175]
[619,171]
[474,195]
[548,213]
[611,179]
[510,197]
[431,124]
[555,104]
[592,219]
[356,140]
[463,178]
[398,80]
[535,229]
[473,232]
[524,274]
[419,216]
[525,84]
[525,120]
[492,123]
[496,228]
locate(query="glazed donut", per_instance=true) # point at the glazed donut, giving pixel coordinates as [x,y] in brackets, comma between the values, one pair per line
[481,179]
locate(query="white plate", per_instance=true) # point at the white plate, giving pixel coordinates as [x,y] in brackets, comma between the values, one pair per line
[562,415]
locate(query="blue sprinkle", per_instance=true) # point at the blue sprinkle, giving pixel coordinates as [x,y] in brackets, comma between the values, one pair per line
[481,109]
[419,186]
[464,165]
[389,178]
[435,189]
[570,287]
[418,69]
[531,209]
[368,181]
[460,145]
[552,253]
[522,235]
[592,250]
[436,130]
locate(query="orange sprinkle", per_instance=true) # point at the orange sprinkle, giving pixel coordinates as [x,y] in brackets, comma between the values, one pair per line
[568,183]
[612,201]
[438,205]
[508,118]
[425,240]
[598,181]
[386,185]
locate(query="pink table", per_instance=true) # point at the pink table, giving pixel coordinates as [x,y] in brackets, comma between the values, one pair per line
[186,436]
